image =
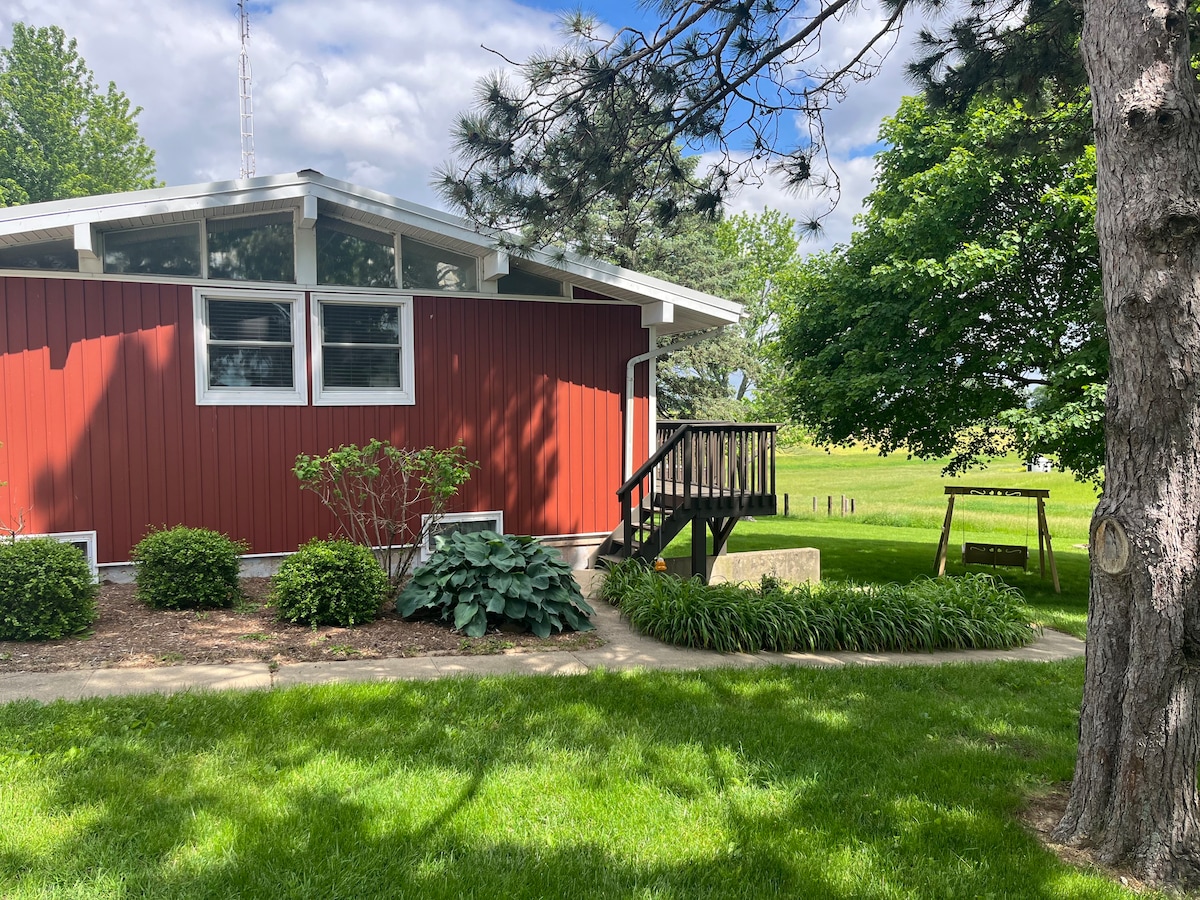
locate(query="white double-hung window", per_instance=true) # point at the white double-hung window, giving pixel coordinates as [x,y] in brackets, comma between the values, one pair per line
[362,350]
[250,347]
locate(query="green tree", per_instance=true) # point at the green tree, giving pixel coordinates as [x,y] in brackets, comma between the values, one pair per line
[751,258]
[602,204]
[60,135]
[966,308]
[711,74]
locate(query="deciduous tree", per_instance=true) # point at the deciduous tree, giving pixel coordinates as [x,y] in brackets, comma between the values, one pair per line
[966,307]
[60,134]
[717,72]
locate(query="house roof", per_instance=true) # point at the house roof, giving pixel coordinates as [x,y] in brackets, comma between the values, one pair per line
[677,308]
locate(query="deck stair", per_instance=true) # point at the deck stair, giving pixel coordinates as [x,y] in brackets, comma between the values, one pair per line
[708,474]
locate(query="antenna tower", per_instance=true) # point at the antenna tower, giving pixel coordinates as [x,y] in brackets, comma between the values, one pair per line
[245,97]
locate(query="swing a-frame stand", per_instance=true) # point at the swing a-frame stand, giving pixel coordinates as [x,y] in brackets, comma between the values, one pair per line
[999,554]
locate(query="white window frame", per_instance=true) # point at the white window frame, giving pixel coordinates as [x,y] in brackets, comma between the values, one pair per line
[296,395]
[405,395]
[87,538]
[450,518]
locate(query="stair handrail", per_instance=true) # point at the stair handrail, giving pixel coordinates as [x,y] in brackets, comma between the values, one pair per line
[656,457]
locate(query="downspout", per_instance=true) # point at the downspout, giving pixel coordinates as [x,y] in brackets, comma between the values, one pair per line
[651,356]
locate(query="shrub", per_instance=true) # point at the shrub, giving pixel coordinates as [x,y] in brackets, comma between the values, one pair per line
[974,611]
[187,568]
[484,577]
[330,583]
[46,590]
[377,492]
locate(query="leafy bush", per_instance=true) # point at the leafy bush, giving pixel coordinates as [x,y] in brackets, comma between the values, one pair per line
[187,568]
[46,590]
[377,493]
[330,583]
[485,577]
[974,611]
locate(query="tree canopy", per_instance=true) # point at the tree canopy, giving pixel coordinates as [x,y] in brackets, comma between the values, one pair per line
[746,81]
[966,308]
[60,134]
[751,258]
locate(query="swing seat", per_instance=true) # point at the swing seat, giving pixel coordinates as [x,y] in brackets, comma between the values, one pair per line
[1015,555]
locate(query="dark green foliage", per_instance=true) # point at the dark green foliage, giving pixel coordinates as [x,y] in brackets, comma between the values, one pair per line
[485,578]
[971,612]
[187,568]
[46,590]
[1027,51]
[330,583]
[966,310]
[601,120]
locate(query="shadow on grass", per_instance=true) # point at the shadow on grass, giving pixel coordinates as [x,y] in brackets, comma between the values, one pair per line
[783,782]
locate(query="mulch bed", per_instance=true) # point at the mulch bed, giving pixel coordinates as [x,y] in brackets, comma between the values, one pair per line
[129,634]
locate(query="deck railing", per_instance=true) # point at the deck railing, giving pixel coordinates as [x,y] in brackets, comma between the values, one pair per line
[716,466]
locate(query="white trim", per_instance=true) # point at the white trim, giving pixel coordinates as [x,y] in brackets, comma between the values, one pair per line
[449,518]
[495,265]
[297,395]
[707,310]
[406,394]
[87,538]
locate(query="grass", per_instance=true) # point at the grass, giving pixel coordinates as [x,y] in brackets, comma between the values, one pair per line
[863,783]
[900,506]
[971,612]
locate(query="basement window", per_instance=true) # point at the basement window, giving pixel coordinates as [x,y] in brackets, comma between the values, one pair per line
[83,541]
[249,348]
[362,350]
[464,523]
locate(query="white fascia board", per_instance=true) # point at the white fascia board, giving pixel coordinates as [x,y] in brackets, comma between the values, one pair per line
[593,274]
[158,201]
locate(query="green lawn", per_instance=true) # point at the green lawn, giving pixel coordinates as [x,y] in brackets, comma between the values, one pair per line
[899,508]
[859,783]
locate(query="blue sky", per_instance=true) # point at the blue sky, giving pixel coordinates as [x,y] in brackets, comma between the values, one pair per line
[365,90]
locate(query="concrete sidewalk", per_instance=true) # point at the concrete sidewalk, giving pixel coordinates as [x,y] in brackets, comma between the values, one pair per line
[623,649]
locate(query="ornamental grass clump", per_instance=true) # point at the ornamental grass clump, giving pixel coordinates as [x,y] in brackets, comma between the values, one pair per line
[330,583]
[187,568]
[972,612]
[481,579]
[47,590]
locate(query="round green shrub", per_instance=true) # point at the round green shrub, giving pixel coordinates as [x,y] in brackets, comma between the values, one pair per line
[187,568]
[330,583]
[46,590]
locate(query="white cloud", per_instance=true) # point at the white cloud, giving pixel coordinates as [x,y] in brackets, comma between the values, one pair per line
[363,90]
[366,90]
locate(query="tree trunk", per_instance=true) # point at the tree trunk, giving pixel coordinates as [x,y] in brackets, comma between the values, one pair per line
[1134,798]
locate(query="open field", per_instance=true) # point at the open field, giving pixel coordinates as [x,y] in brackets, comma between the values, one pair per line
[900,506]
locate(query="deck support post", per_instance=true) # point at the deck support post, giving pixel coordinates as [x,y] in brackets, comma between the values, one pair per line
[700,548]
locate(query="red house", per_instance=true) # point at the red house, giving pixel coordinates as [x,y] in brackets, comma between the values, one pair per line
[166,354]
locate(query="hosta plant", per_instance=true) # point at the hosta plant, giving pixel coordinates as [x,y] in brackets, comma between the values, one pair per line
[481,579]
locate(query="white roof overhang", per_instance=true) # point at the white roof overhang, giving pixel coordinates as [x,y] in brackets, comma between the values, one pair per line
[671,307]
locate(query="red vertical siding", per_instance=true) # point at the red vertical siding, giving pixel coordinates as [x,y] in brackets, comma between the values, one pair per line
[99,427]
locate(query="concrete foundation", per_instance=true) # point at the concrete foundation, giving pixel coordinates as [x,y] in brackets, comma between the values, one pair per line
[795,565]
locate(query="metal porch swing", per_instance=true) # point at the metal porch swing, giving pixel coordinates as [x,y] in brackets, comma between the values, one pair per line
[1016,555]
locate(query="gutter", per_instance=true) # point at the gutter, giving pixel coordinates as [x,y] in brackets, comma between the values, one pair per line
[651,356]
